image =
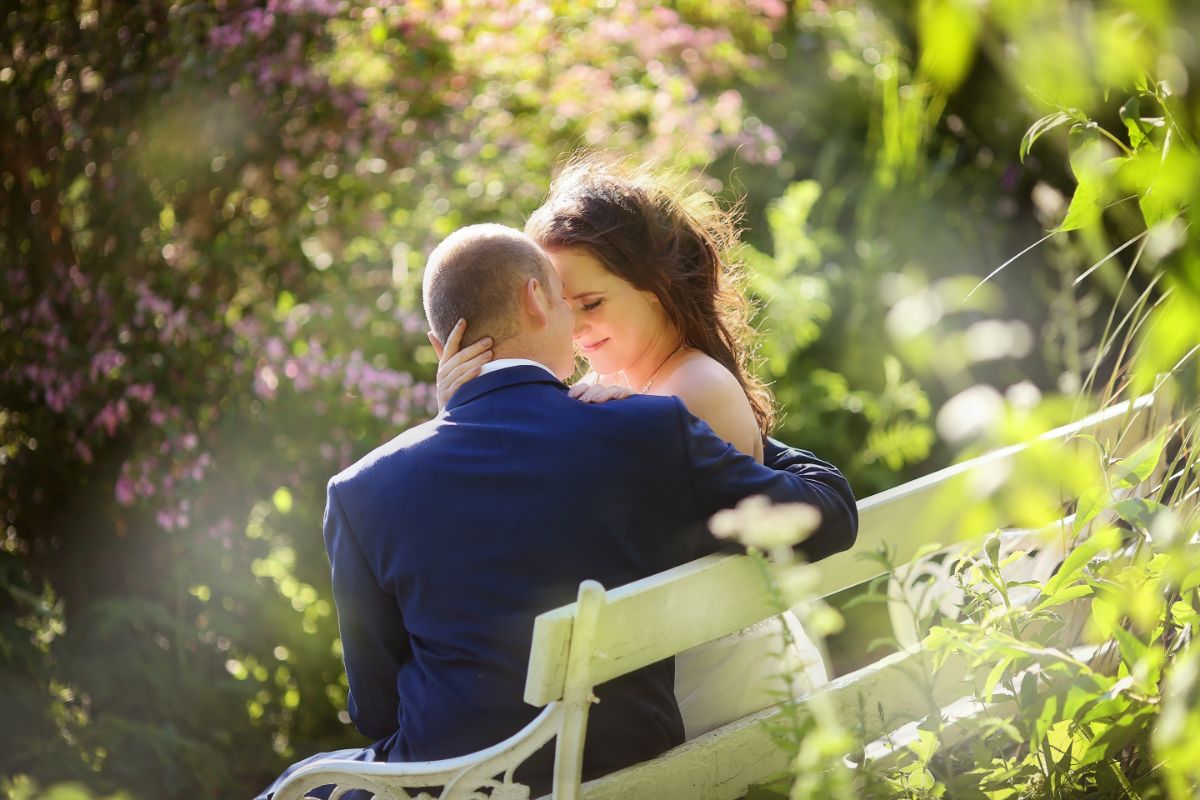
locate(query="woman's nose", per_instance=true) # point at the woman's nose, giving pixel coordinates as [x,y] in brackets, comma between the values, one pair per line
[581,325]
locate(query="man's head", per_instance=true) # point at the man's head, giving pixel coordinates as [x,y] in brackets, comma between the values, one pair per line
[502,284]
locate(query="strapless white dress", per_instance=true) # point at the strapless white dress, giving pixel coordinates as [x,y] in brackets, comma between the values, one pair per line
[732,677]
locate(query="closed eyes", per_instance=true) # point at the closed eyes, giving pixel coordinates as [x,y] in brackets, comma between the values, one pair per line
[592,306]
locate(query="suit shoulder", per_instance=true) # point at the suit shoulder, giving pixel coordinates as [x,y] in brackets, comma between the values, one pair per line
[643,412]
[390,453]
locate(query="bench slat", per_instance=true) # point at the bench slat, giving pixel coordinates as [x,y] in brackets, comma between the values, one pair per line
[722,764]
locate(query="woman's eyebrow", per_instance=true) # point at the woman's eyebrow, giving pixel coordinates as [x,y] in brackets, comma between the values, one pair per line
[582,295]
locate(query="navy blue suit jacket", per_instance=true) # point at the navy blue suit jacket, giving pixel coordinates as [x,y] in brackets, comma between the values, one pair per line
[446,542]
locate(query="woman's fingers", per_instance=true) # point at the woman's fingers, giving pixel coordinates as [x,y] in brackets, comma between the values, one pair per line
[454,339]
[456,367]
[615,393]
[467,369]
[597,393]
[437,346]
[452,360]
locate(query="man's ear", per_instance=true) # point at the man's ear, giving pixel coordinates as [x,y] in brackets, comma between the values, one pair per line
[533,302]
[438,347]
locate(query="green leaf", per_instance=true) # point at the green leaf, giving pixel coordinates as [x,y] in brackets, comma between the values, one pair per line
[1106,705]
[1105,616]
[1133,649]
[992,548]
[1045,719]
[1094,165]
[1091,502]
[1077,697]
[1086,204]
[993,678]
[1064,595]
[937,638]
[1118,735]
[1129,115]
[925,745]
[1042,126]
[1029,690]
[1135,468]
[1137,511]
[1077,559]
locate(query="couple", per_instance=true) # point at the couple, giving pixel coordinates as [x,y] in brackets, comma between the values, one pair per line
[446,542]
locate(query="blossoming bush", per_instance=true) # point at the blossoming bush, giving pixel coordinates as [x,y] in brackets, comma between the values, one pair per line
[215,217]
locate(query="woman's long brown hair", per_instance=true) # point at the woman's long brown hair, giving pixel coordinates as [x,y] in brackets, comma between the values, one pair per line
[662,240]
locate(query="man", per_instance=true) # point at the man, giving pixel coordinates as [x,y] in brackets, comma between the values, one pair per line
[446,542]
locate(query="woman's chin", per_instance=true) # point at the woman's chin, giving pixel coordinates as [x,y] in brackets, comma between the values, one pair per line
[600,366]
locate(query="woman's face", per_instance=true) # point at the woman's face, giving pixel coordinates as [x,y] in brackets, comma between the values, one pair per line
[615,323]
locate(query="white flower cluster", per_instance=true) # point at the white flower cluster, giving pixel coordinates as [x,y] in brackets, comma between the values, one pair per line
[756,522]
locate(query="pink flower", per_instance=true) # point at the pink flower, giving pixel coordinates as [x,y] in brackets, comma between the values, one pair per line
[266,382]
[105,362]
[142,392]
[111,416]
[125,494]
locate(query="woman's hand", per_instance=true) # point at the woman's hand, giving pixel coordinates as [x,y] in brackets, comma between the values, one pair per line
[597,392]
[456,367]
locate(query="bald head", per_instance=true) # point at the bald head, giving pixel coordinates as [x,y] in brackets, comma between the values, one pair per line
[478,273]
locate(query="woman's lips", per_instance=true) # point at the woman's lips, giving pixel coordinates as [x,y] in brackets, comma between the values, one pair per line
[593,347]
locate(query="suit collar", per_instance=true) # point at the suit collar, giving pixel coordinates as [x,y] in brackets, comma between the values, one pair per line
[500,379]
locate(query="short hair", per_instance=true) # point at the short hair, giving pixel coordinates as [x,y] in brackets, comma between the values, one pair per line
[477,273]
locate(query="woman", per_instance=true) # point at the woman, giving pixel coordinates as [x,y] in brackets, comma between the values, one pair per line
[657,312]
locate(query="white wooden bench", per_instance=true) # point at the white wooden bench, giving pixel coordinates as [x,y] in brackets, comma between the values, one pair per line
[606,634]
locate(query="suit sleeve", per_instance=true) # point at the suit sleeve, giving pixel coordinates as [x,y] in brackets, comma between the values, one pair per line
[832,495]
[722,476]
[374,641]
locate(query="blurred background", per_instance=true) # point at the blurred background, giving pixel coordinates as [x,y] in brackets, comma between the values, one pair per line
[215,217]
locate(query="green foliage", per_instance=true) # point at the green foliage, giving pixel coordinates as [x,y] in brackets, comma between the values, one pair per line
[1046,714]
[21,787]
[1073,723]
[797,307]
[215,221]
[1084,685]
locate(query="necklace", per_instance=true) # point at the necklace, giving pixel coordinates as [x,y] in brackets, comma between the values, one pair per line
[653,377]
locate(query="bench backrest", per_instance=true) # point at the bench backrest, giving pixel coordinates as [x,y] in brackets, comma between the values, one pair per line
[660,616]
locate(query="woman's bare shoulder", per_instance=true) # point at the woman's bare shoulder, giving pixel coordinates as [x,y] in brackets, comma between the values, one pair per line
[712,393]
[700,376]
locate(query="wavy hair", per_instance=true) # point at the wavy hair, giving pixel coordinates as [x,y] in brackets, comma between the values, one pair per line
[664,239]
